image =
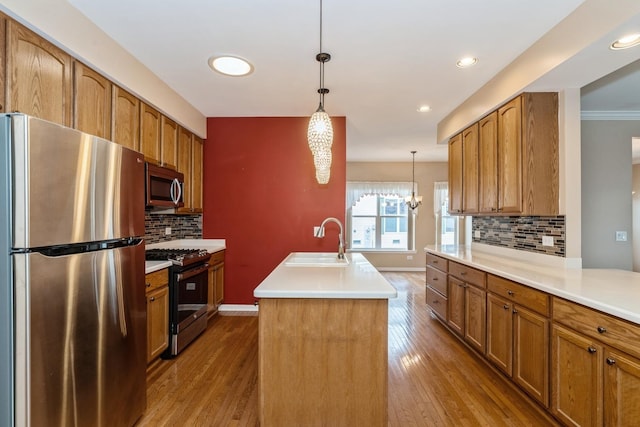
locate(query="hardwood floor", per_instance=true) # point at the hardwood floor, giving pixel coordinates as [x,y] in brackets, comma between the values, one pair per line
[434,380]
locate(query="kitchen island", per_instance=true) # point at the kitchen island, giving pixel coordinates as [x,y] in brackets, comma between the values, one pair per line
[323,343]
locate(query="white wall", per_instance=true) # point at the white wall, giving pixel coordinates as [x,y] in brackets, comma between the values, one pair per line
[635,212]
[606,192]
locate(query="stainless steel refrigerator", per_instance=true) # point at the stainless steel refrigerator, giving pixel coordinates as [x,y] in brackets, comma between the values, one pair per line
[72,304]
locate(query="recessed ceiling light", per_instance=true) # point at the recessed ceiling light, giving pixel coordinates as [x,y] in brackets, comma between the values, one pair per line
[424,108]
[230,65]
[466,62]
[626,42]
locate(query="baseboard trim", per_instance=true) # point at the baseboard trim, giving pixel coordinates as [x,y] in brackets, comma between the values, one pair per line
[238,310]
[409,269]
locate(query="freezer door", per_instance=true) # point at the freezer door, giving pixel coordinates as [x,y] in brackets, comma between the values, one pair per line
[71,187]
[80,338]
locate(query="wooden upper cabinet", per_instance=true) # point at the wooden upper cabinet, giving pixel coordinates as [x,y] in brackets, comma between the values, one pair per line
[488,164]
[150,130]
[184,164]
[125,123]
[92,102]
[197,150]
[169,143]
[455,175]
[39,76]
[470,175]
[510,157]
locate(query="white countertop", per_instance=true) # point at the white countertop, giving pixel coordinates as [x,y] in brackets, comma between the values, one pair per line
[358,280]
[616,292]
[211,246]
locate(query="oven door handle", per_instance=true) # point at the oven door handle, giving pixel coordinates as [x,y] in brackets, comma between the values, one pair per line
[189,274]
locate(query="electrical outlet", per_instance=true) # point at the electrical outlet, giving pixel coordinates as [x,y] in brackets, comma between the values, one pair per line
[318,231]
[621,236]
[547,240]
[409,257]
[476,234]
[167,231]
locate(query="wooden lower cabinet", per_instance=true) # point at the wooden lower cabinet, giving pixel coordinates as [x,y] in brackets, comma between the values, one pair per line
[518,344]
[215,294]
[622,389]
[467,310]
[157,322]
[157,294]
[577,380]
[456,305]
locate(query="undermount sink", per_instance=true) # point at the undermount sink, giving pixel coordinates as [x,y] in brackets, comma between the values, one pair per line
[315,259]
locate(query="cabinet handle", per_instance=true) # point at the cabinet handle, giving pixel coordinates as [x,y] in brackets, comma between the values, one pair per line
[506,306]
[435,279]
[515,311]
[602,329]
[435,261]
[152,299]
[591,349]
[148,285]
[611,361]
[463,273]
[435,301]
[510,292]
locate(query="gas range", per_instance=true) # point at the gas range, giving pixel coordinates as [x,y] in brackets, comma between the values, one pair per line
[181,257]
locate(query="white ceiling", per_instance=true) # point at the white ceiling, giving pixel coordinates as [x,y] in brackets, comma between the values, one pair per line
[387,58]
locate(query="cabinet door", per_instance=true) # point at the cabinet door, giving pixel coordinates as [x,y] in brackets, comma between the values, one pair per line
[157,322]
[125,126]
[169,143]
[475,317]
[39,76]
[510,157]
[150,133]
[531,353]
[488,163]
[219,284]
[470,169]
[622,390]
[196,174]
[500,333]
[456,305]
[576,378]
[184,164]
[92,102]
[455,174]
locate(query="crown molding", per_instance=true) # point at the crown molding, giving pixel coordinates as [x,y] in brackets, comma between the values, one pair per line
[610,115]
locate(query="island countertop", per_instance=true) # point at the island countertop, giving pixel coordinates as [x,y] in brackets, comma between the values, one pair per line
[616,292]
[358,280]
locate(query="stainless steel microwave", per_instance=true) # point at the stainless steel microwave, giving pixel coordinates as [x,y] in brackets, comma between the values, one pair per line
[164,187]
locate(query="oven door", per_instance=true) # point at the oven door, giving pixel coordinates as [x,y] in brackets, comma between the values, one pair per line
[191,296]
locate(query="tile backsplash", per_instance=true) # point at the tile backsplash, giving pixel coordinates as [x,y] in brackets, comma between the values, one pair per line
[182,227]
[521,232]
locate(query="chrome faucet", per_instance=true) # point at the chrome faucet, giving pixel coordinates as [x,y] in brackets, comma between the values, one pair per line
[320,233]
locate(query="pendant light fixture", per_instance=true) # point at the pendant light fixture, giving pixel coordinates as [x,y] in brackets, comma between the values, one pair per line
[413,201]
[320,131]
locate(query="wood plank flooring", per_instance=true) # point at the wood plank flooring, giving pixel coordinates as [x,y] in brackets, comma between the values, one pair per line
[434,380]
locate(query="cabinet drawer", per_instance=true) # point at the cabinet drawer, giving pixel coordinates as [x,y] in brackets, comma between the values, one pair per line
[468,274]
[437,302]
[216,258]
[437,280]
[156,279]
[610,330]
[520,294]
[437,262]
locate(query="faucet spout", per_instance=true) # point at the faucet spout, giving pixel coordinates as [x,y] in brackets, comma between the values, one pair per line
[319,233]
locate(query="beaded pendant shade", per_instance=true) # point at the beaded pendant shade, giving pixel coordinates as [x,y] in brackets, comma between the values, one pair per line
[320,131]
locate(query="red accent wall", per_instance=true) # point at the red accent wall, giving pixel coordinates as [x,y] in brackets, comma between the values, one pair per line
[261,195]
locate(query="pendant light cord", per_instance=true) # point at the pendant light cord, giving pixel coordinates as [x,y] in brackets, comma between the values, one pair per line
[321,63]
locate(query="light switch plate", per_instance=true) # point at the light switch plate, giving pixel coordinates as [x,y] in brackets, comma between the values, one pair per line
[476,234]
[547,240]
[621,236]
[167,231]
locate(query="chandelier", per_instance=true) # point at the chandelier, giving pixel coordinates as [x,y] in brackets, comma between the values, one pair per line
[413,201]
[320,131]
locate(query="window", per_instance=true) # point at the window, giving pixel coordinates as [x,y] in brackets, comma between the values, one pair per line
[446,225]
[378,218]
